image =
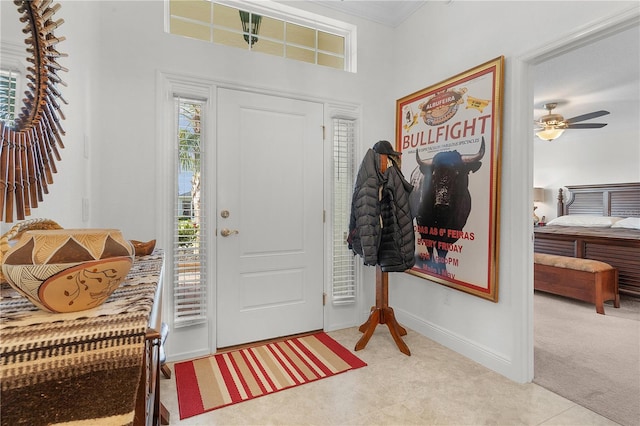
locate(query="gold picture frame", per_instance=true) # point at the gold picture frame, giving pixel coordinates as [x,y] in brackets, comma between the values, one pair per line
[450,137]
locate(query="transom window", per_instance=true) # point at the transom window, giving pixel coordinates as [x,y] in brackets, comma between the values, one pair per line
[266,27]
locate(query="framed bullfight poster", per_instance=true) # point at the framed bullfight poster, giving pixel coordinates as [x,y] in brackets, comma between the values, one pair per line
[449,135]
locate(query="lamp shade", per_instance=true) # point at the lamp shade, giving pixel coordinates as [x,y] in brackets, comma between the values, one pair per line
[550,134]
[538,194]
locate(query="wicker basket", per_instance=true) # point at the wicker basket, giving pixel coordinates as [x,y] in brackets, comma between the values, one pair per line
[16,232]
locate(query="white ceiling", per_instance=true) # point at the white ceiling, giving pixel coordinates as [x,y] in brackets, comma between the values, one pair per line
[390,13]
[601,75]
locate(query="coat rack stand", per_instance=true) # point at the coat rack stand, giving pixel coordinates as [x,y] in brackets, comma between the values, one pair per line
[382,313]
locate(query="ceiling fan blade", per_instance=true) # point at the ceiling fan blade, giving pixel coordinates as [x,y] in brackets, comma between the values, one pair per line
[586,126]
[588,116]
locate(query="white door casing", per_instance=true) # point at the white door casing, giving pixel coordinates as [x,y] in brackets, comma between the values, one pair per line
[269,171]
[200,338]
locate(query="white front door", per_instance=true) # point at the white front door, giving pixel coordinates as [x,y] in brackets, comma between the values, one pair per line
[269,266]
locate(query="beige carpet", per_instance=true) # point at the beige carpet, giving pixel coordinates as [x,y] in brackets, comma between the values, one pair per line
[591,359]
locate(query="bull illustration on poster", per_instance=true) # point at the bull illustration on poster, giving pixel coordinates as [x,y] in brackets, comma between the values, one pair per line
[449,135]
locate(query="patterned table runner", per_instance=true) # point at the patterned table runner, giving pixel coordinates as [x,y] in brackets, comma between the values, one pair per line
[65,367]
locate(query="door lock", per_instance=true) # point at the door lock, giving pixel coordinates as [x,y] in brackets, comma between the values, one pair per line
[226,232]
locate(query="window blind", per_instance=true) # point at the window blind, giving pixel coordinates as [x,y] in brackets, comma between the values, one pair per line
[189,244]
[8,87]
[344,271]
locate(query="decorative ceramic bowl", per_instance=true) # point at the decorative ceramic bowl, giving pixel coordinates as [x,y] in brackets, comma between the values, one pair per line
[68,270]
[142,248]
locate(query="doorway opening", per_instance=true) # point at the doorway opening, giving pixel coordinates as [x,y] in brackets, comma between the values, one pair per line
[598,32]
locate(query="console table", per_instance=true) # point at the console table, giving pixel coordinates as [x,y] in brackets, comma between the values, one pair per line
[99,366]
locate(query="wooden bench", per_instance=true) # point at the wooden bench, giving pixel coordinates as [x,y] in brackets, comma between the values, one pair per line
[582,279]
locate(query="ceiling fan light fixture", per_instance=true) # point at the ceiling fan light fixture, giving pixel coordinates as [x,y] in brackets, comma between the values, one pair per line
[553,125]
[549,134]
[553,120]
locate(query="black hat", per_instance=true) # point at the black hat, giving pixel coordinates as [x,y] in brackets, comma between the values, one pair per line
[384,147]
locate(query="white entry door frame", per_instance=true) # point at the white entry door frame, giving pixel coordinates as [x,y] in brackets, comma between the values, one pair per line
[202,339]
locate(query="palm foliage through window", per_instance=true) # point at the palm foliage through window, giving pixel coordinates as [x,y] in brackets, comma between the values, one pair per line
[190,291]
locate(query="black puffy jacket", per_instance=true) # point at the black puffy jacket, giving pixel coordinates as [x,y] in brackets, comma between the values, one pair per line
[397,247]
[381,224]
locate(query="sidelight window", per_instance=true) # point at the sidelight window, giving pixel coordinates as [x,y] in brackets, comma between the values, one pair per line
[189,246]
[344,266]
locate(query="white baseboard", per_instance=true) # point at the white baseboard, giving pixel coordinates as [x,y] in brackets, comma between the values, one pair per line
[500,363]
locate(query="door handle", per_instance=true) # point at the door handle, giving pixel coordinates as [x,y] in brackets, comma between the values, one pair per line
[226,232]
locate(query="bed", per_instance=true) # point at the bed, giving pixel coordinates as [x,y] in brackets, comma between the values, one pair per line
[600,234]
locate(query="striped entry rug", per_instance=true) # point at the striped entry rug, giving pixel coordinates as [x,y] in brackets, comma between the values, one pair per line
[219,380]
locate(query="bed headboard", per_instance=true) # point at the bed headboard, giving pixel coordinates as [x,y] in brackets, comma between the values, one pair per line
[611,199]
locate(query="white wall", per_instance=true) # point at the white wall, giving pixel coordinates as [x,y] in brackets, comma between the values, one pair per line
[442,40]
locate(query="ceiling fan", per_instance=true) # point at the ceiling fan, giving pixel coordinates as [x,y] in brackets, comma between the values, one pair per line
[551,126]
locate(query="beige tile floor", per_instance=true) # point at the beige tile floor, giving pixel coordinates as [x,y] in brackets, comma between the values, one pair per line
[433,386]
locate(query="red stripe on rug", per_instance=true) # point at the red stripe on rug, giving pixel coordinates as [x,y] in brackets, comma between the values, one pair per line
[305,365]
[291,362]
[190,403]
[246,356]
[244,374]
[263,371]
[298,362]
[341,351]
[285,365]
[316,361]
[228,379]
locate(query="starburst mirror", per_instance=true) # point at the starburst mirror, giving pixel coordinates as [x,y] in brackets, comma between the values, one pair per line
[31,136]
